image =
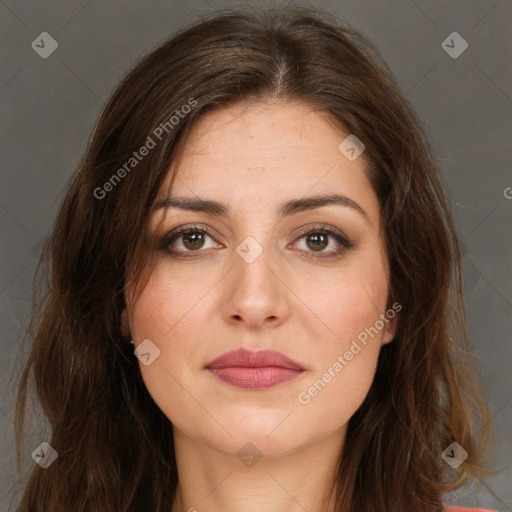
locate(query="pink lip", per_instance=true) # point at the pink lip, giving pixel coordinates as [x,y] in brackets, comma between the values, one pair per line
[254,370]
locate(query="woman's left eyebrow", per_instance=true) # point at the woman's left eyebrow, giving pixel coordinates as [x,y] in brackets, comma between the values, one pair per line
[286,209]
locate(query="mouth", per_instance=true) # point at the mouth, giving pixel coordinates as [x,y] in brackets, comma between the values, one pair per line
[254,370]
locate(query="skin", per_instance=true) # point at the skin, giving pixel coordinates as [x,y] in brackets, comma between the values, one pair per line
[253,158]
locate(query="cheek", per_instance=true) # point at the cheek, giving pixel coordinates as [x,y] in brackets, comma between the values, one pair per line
[346,360]
[344,364]
[170,306]
[347,300]
[335,395]
[171,314]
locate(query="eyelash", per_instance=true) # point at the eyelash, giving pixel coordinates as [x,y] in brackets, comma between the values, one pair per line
[322,229]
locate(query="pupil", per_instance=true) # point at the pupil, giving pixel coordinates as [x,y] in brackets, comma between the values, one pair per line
[194,239]
[319,241]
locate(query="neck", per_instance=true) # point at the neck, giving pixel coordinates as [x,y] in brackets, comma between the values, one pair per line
[210,480]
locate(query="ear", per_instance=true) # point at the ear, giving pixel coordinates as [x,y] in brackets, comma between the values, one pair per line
[125,325]
[390,328]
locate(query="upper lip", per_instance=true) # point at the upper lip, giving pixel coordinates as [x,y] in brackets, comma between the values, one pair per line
[252,359]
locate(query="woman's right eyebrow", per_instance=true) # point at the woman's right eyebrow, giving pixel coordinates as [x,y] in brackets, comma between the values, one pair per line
[286,209]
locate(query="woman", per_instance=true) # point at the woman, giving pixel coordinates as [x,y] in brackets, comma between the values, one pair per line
[254,298]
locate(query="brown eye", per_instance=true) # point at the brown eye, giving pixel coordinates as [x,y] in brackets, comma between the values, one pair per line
[188,240]
[193,240]
[317,242]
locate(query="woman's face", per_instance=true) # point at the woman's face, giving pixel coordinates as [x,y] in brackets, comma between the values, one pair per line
[266,276]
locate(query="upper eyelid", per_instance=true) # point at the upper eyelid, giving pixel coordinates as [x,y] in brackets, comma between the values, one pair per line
[210,231]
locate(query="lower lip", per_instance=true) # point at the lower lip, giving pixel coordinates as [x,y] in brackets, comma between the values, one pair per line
[255,378]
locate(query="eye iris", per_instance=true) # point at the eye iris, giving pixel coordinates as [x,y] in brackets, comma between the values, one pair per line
[319,241]
[195,239]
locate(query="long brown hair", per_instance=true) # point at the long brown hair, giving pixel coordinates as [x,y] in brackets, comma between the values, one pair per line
[115,446]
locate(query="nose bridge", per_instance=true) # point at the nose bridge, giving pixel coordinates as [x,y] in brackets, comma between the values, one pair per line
[253,262]
[255,293]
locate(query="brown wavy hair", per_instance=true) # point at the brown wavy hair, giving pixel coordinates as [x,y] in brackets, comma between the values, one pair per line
[115,445]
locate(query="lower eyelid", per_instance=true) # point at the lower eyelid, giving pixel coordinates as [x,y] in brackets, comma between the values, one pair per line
[343,241]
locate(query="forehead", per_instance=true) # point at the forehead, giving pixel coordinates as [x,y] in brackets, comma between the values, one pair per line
[265,153]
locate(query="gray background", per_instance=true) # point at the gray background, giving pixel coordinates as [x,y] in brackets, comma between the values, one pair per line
[49,106]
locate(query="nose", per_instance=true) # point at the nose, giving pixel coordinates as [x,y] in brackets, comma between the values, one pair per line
[255,293]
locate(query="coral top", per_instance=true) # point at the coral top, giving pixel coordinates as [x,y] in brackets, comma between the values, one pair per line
[462,509]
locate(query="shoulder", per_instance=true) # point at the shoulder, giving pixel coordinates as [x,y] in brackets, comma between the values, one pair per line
[464,509]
